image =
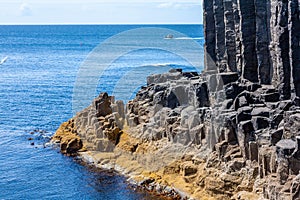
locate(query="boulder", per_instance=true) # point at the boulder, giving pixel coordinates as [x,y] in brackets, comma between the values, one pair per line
[102,104]
[70,143]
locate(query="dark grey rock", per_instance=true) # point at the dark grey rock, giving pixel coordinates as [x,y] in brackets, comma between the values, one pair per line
[260,123]
[248,38]
[219,34]
[226,78]
[262,41]
[276,136]
[232,90]
[245,129]
[244,114]
[253,151]
[294,39]
[230,36]
[210,36]
[244,98]
[102,104]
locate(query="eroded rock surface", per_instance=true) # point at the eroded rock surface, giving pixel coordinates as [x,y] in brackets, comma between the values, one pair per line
[231,132]
[234,141]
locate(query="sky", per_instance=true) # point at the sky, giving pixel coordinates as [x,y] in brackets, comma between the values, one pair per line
[101,12]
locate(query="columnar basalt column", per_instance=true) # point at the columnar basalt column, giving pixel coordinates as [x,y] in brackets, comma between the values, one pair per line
[280,37]
[230,41]
[210,35]
[238,45]
[294,28]
[248,38]
[262,42]
[273,43]
[220,34]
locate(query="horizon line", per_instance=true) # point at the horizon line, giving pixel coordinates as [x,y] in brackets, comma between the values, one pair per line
[1,24]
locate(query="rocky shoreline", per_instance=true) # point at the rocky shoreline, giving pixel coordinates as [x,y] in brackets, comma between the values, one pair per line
[164,140]
[231,132]
[104,145]
[145,182]
[161,140]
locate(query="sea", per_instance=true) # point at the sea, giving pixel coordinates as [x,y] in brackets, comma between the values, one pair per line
[42,68]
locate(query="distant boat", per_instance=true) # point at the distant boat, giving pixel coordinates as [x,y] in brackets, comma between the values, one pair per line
[169,36]
[3,60]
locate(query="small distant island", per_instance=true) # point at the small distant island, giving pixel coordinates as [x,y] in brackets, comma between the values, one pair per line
[231,132]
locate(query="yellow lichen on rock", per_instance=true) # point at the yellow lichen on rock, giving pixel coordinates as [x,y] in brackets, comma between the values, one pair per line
[70,143]
[158,159]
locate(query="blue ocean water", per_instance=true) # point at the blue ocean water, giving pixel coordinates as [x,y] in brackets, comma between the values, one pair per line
[36,88]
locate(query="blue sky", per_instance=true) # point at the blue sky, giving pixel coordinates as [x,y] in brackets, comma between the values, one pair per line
[100,11]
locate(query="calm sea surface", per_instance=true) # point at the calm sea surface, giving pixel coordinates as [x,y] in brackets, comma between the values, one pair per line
[36,88]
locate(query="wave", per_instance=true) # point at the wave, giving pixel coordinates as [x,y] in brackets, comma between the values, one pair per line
[172,65]
[166,66]
[189,38]
[158,65]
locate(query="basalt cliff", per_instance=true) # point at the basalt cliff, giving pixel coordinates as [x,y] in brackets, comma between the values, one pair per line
[231,132]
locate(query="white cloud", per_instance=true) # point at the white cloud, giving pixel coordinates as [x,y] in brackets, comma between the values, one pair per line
[165,5]
[25,9]
[177,5]
[100,11]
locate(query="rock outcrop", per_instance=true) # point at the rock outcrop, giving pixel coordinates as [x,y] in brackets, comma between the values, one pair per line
[231,132]
[261,108]
[260,38]
[66,135]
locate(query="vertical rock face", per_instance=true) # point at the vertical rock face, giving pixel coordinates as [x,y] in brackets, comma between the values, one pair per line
[262,41]
[281,39]
[294,27]
[230,51]
[237,34]
[220,36]
[248,33]
[257,38]
[210,38]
